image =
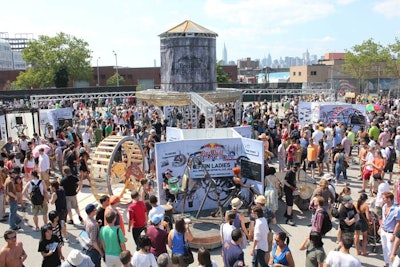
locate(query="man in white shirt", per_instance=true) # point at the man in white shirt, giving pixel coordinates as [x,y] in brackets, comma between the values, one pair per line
[382,187]
[44,167]
[260,241]
[343,257]
[155,208]
[317,134]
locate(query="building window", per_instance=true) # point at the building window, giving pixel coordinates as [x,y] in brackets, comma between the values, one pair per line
[102,76]
[129,76]
[313,73]
[299,73]
[294,73]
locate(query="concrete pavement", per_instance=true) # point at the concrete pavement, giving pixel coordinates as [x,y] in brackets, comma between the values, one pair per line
[297,233]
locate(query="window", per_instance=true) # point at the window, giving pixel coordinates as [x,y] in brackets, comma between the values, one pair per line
[129,76]
[294,73]
[299,73]
[313,73]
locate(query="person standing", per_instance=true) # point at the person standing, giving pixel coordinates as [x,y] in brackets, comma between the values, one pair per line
[390,225]
[337,258]
[11,197]
[259,249]
[137,217]
[58,198]
[231,250]
[104,202]
[348,215]
[315,253]
[158,236]
[119,220]
[71,185]
[13,253]
[39,199]
[112,240]
[44,167]
[155,208]
[288,188]
[50,247]
[312,153]
[94,249]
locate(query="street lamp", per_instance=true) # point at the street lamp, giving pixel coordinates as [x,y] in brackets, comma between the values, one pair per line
[116,67]
[98,74]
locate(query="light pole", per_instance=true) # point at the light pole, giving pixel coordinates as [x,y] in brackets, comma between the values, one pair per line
[116,67]
[98,73]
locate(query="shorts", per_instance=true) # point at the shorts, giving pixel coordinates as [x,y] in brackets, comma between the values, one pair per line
[72,202]
[367,174]
[290,163]
[29,170]
[62,214]
[289,196]
[361,226]
[44,176]
[178,260]
[42,209]
[388,167]
[312,164]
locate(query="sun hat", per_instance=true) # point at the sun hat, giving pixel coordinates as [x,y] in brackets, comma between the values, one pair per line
[75,257]
[260,200]
[262,136]
[236,203]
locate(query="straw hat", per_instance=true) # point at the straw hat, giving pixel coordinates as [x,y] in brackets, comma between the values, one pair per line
[262,136]
[236,203]
[260,199]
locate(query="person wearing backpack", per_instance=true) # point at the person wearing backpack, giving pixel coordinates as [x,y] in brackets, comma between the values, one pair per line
[391,159]
[36,192]
[321,222]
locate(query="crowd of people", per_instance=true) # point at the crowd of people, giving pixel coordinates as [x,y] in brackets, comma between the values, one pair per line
[55,173]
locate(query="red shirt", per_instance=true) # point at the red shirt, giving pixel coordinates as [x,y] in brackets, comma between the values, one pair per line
[137,214]
[291,155]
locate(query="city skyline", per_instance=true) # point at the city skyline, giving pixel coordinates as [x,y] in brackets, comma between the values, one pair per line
[248,28]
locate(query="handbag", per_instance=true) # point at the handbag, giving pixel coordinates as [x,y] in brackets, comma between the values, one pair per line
[188,254]
[335,209]
[345,164]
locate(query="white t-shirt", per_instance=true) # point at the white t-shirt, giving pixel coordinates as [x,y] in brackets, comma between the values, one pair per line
[156,210]
[225,231]
[383,187]
[261,233]
[339,259]
[143,260]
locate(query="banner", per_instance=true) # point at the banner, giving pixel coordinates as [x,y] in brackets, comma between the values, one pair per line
[195,162]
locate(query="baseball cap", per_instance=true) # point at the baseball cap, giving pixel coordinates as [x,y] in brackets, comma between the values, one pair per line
[90,207]
[347,198]
[156,218]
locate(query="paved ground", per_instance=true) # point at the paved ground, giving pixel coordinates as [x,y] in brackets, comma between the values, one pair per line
[297,233]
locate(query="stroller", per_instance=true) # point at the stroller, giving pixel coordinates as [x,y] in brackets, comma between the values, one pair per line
[373,238]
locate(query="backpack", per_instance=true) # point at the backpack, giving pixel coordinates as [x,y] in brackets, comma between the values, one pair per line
[392,156]
[326,223]
[36,196]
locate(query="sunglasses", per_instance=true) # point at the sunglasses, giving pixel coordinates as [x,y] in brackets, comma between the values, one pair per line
[12,237]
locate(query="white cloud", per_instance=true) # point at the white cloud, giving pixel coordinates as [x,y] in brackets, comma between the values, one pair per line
[388,8]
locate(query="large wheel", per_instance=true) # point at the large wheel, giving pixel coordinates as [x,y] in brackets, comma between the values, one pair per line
[117,165]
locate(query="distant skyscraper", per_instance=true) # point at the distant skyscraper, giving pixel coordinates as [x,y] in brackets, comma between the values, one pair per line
[269,60]
[306,58]
[224,56]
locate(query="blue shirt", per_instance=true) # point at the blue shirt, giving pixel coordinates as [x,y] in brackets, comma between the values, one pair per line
[389,221]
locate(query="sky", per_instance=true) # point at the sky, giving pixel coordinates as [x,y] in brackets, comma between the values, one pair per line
[248,28]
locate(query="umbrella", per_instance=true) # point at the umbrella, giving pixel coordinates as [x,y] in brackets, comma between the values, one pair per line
[373,107]
[35,151]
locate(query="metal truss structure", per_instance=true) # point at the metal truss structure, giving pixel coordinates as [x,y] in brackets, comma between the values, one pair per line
[76,96]
[275,91]
[206,107]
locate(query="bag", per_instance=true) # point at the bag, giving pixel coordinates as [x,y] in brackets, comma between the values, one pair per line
[188,254]
[36,195]
[335,210]
[69,158]
[392,156]
[326,223]
[345,164]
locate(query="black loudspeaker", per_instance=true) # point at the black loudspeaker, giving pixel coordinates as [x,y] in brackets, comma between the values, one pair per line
[19,120]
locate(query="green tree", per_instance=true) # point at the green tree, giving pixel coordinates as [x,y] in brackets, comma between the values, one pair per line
[222,77]
[61,77]
[112,81]
[394,65]
[48,55]
[368,60]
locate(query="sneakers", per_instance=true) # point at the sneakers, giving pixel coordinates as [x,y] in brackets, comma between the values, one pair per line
[16,228]
[70,222]
[290,222]
[361,191]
